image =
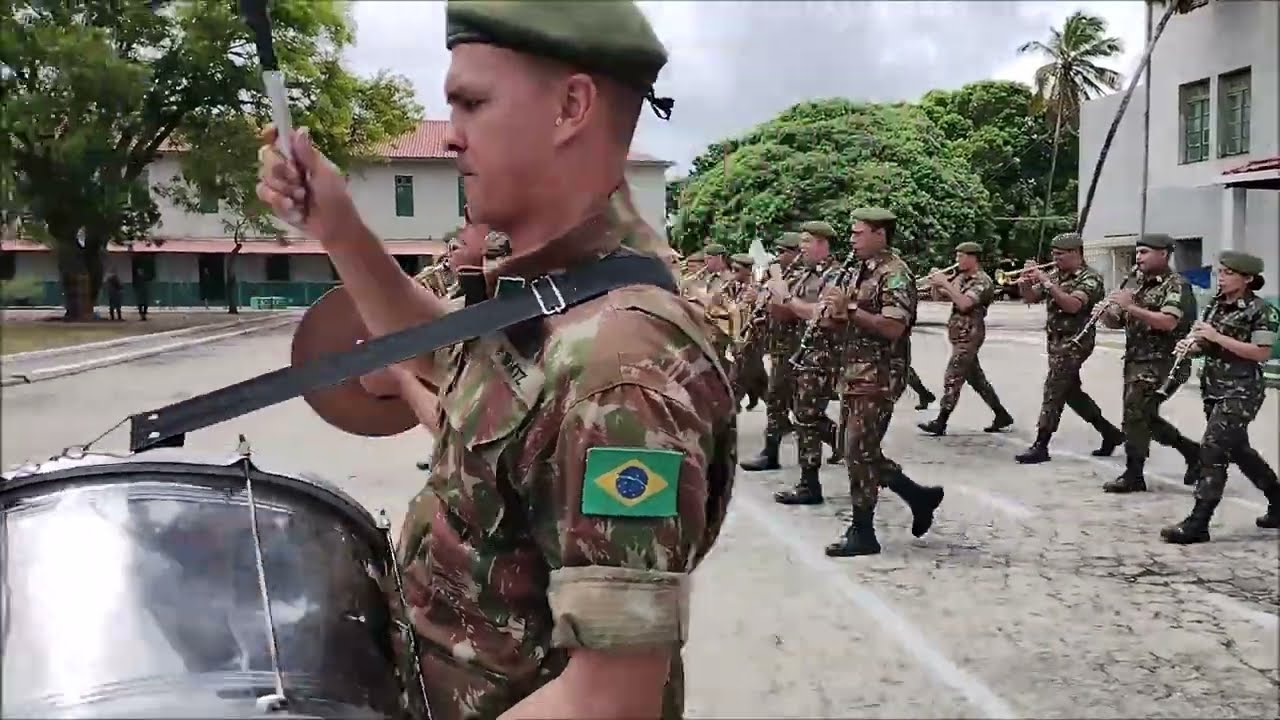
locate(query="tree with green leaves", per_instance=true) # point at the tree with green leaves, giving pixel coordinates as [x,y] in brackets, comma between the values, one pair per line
[91,91]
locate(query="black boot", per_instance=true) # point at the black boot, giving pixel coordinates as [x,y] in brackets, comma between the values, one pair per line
[752,401]
[859,539]
[926,399]
[923,501]
[767,459]
[1112,438]
[1270,520]
[1132,479]
[938,425]
[807,492]
[1195,528]
[1002,420]
[1038,452]
[1190,452]
[424,464]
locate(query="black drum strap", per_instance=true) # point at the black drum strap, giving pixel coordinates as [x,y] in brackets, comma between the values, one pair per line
[546,295]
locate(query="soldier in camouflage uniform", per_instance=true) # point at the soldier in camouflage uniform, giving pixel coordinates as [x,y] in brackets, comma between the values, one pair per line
[749,377]
[816,365]
[1155,315]
[582,479]
[872,311]
[1069,292]
[970,293]
[923,396]
[706,289]
[1235,337]
[781,334]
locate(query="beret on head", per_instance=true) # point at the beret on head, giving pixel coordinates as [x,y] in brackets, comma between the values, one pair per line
[698,256]
[872,214]
[1155,241]
[742,259]
[788,241]
[969,248]
[611,38]
[1241,262]
[715,250]
[819,228]
[1067,241]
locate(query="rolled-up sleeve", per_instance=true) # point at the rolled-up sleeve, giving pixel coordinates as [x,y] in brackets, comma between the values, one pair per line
[898,296]
[1265,329]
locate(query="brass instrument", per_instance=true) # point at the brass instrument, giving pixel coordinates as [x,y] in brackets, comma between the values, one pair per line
[1101,308]
[425,276]
[759,310]
[1005,277]
[1182,353]
[923,283]
[835,277]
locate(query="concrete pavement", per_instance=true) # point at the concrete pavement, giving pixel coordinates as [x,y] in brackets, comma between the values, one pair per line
[1035,595]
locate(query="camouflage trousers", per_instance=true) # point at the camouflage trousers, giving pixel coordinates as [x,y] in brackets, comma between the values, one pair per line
[1062,388]
[780,397]
[916,384]
[748,374]
[963,367]
[1142,422]
[1226,440]
[867,420]
[813,427]
[889,466]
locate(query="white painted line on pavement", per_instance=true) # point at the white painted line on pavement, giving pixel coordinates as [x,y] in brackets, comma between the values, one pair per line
[1267,620]
[999,502]
[907,635]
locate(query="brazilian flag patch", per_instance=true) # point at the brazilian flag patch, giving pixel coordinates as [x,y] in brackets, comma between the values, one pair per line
[631,482]
[895,281]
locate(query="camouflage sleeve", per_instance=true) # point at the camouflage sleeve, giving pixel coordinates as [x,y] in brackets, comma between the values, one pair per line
[1172,302]
[981,289]
[1266,327]
[897,295]
[1090,290]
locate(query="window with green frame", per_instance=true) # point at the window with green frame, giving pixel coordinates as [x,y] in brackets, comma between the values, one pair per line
[462,197]
[209,204]
[404,196]
[1234,102]
[1194,119]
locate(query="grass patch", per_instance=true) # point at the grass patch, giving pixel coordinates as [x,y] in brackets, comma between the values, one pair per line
[25,332]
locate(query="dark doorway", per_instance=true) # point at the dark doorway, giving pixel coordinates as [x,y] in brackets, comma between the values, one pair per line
[408,263]
[143,267]
[213,277]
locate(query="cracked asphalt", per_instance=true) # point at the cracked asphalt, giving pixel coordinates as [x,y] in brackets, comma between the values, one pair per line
[1034,595]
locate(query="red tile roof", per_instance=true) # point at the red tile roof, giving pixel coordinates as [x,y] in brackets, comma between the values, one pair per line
[1255,166]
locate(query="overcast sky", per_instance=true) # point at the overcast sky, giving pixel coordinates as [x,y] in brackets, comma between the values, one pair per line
[736,64]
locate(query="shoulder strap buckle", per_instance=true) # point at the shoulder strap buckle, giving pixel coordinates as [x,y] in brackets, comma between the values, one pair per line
[559,302]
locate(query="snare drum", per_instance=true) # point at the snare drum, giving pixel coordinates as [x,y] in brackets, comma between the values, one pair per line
[129,587]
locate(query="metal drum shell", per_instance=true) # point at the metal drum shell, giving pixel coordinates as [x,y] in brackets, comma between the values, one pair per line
[129,587]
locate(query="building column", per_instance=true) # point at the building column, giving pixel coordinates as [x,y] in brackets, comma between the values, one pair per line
[1233,218]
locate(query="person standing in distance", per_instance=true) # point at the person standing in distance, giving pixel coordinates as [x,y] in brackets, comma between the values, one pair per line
[597,476]
[781,336]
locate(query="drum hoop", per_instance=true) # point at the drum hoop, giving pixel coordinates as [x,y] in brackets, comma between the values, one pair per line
[325,494]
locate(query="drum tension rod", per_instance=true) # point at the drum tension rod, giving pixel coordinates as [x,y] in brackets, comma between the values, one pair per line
[276,701]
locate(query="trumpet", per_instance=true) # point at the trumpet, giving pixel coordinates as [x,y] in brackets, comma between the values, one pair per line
[923,283]
[1005,277]
[1101,308]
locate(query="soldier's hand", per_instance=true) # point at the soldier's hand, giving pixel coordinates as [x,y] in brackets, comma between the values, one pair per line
[835,304]
[777,288]
[937,279]
[1204,332]
[308,193]
[1122,298]
[1034,277]
[1028,263]
[750,295]
[1187,346]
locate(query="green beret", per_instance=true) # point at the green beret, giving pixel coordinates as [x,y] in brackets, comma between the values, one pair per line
[819,228]
[698,256]
[788,241]
[715,250]
[612,38]
[969,248]
[1241,262]
[742,259]
[1156,241]
[872,214]
[1067,241]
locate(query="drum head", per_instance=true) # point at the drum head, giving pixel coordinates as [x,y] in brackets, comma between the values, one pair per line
[332,325]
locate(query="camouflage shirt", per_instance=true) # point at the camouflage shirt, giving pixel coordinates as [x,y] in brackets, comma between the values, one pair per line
[577,488]
[1059,325]
[1249,319]
[970,325]
[883,286]
[1169,293]
[808,285]
[783,334]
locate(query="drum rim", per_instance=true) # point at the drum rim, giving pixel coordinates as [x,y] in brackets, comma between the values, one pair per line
[317,489]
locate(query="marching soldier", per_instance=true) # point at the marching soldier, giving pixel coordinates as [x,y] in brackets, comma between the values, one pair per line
[971,293]
[440,277]
[749,377]
[1155,316]
[781,335]
[815,371]
[1235,337]
[1070,292]
[707,290]
[873,310]
[542,546]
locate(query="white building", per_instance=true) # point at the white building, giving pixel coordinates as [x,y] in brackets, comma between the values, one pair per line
[1214,167]
[411,199]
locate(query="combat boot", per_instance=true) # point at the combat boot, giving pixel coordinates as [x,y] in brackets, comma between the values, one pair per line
[807,492]
[1271,519]
[1002,420]
[767,459]
[752,401]
[424,465]
[1195,528]
[859,539]
[1190,452]
[1112,438]
[1132,479]
[938,425]
[923,500]
[1038,452]
[926,399]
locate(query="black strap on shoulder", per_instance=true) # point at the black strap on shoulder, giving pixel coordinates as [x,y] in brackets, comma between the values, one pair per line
[546,295]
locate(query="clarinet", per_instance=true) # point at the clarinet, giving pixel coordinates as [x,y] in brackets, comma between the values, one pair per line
[1182,353]
[837,276]
[1099,309]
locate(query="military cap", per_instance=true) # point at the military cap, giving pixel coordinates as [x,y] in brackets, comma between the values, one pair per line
[788,241]
[715,250]
[696,257]
[1156,241]
[742,259]
[819,228]
[969,248]
[1241,262]
[1067,241]
[611,38]
[872,214]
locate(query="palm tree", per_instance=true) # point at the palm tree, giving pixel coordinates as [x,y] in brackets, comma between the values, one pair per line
[1071,75]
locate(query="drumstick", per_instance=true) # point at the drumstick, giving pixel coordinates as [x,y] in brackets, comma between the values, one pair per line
[255,16]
